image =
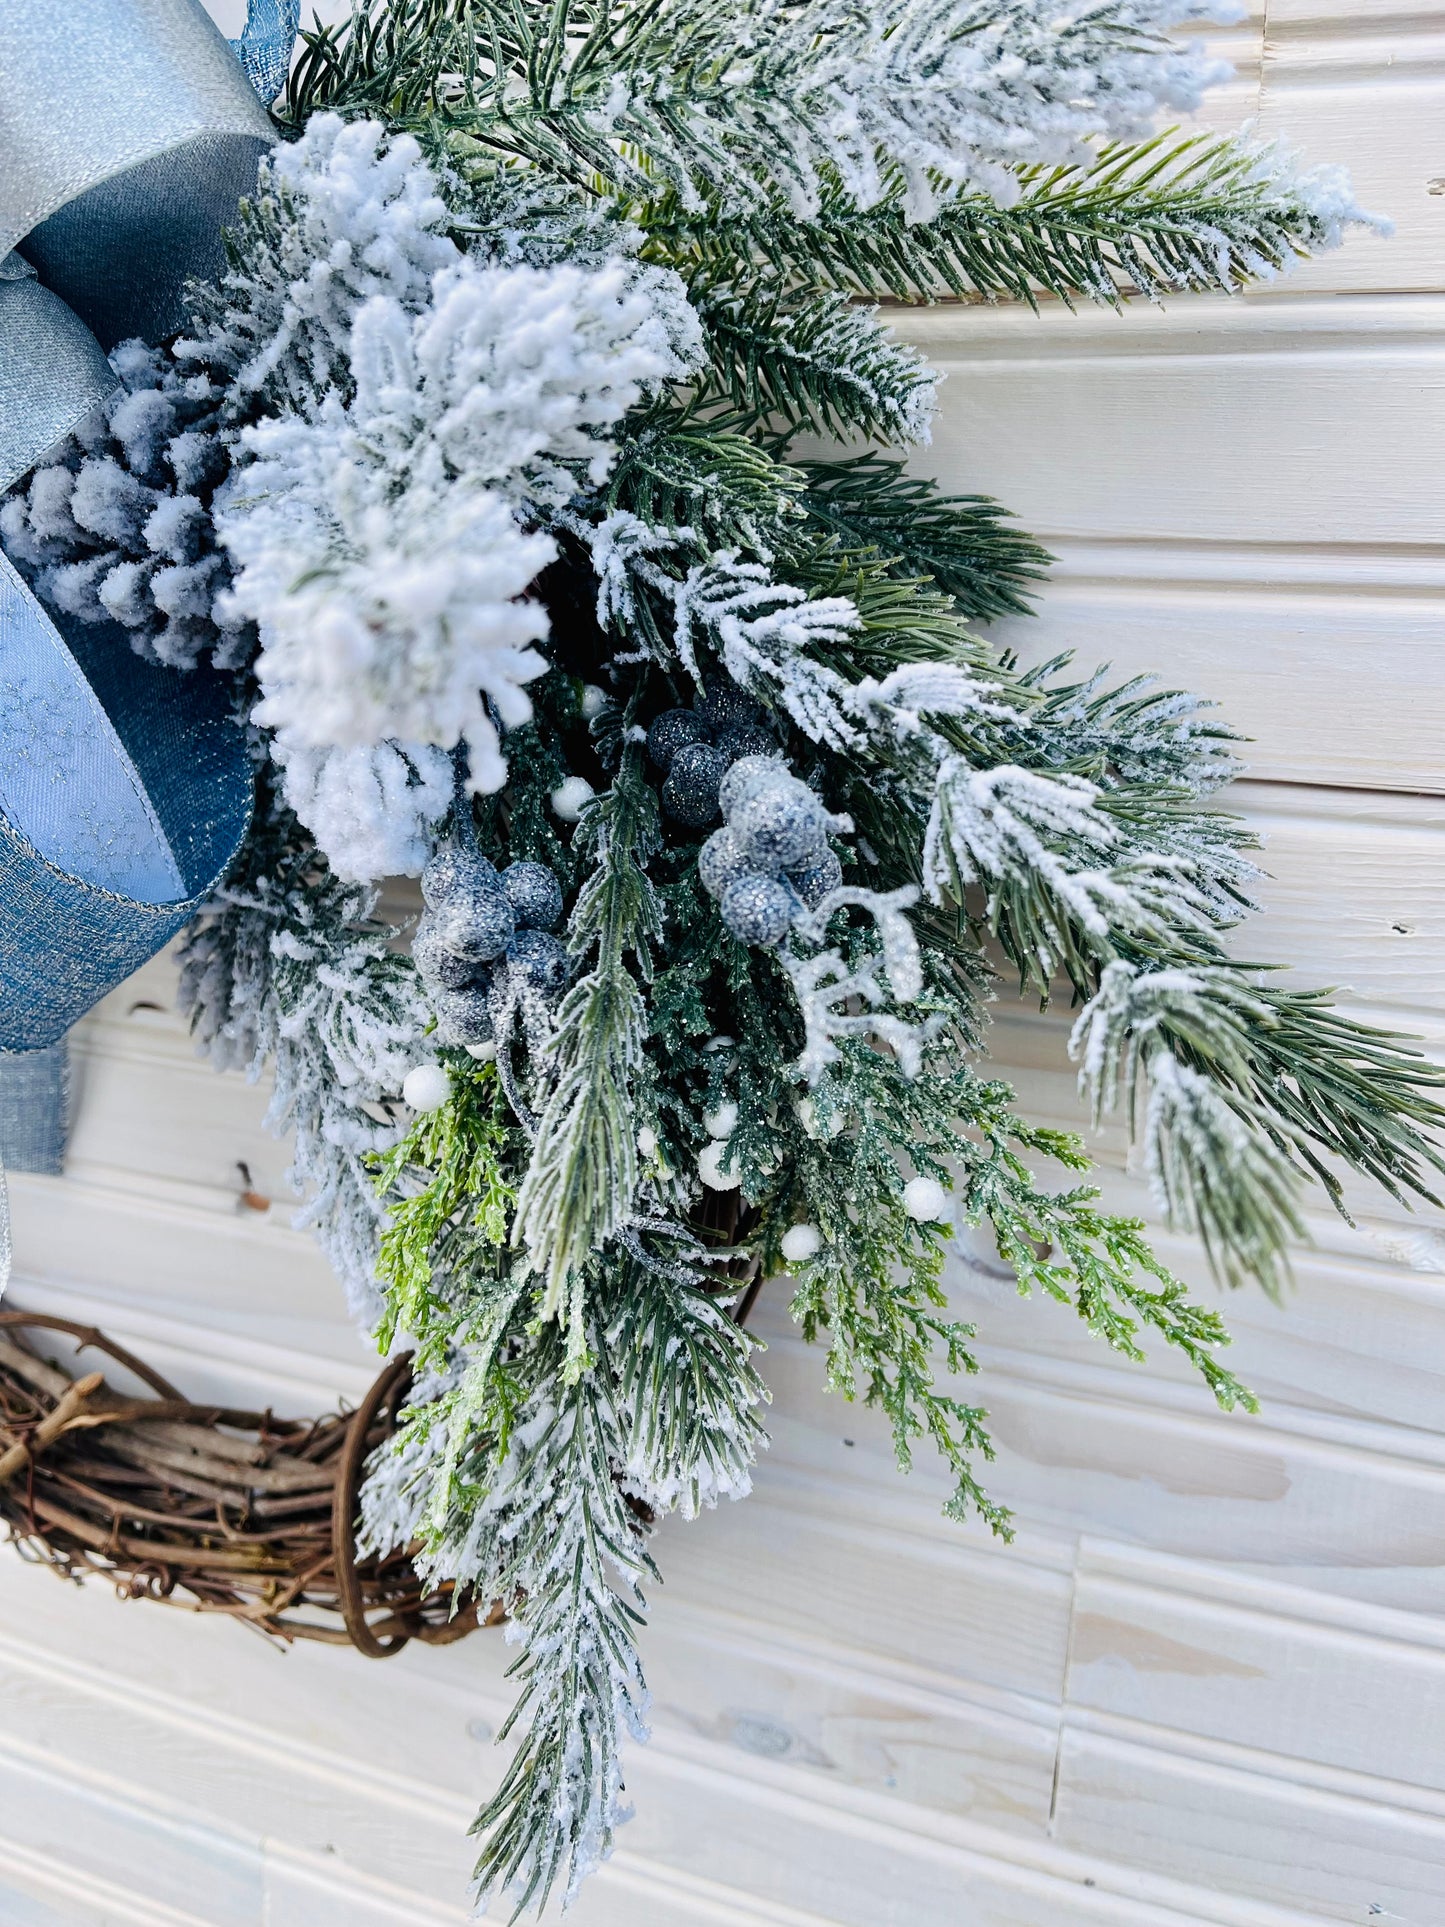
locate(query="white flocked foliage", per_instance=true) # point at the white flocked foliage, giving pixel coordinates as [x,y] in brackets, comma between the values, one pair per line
[384,543]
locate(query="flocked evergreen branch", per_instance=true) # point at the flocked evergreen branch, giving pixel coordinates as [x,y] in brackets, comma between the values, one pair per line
[537,1487]
[583,1172]
[813,361]
[1079,870]
[962,543]
[727,97]
[1174,214]
[287,967]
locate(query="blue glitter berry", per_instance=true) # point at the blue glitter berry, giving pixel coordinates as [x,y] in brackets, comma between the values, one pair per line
[463,1016]
[818,880]
[540,961]
[747,740]
[690,794]
[758,910]
[673,730]
[746,776]
[534,894]
[476,924]
[454,868]
[441,967]
[724,706]
[721,861]
[781,827]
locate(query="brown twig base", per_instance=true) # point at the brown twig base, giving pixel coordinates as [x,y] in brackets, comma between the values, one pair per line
[204,1507]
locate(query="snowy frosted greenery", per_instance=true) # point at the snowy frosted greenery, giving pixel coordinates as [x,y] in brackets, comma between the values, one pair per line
[287,969]
[504,461]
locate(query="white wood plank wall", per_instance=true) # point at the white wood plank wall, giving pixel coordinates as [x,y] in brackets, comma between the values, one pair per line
[1208,1683]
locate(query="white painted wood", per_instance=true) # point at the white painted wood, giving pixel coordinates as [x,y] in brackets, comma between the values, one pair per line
[1204,1688]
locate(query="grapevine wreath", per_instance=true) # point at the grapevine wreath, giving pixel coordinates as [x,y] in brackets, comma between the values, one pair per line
[517,503]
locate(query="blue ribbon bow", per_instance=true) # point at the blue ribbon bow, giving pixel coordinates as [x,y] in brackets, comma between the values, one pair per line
[129,131]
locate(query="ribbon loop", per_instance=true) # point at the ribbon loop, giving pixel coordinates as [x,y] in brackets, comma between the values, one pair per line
[52,371]
[125,796]
[128,133]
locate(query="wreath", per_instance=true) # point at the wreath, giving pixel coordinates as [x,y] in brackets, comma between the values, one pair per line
[482,464]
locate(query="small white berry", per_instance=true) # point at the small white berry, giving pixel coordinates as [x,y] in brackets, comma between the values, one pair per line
[808,1117]
[426,1088]
[708,1168]
[723,1121]
[569,799]
[647,1141]
[801,1242]
[484,1053]
[594,701]
[925,1199]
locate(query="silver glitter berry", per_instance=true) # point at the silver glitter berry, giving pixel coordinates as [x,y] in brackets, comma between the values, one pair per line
[534,894]
[758,910]
[441,967]
[453,868]
[463,1016]
[672,731]
[782,826]
[750,774]
[539,961]
[818,880]
[721,861]
[690,794]
[476,924]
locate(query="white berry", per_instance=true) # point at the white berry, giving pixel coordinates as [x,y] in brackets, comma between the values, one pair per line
[801,1242]
[594,701]
[569,799]
[708,1168]
[484,1053]
[647,1141]
[723,1121]
[925,1199]
[426,1088]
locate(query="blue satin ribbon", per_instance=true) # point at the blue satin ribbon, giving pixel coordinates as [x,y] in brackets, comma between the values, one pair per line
[129,130]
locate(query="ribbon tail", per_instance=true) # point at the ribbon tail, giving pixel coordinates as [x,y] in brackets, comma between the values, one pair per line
[34,1121]
[4,1233]
[264,49]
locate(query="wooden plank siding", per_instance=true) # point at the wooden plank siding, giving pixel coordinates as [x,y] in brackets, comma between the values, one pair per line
[1206,1686]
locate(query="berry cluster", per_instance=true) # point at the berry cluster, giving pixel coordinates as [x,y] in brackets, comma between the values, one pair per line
[695,748]
[483,945]
[771,862]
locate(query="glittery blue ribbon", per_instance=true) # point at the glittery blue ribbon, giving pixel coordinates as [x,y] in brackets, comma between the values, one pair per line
[267,39]
[128,132]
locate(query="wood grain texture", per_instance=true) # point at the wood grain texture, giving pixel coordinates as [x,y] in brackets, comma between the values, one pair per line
[1204,1688]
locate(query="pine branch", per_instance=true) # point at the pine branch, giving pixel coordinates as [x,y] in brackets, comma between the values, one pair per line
[874,1286]
[580,1183]
[1168,215]
[811,361]
[961,542]
[1249,1087]
[535,1487]
[724,97]
[450,1195]
[684,470]
[286,965]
